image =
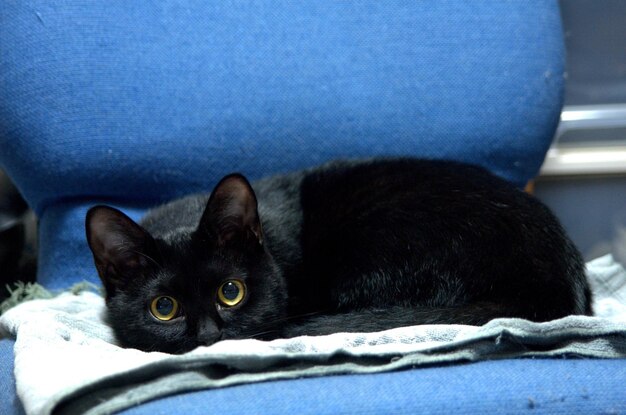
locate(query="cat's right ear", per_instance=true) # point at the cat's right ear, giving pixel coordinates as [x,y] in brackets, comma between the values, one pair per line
[122,250]
[231,217]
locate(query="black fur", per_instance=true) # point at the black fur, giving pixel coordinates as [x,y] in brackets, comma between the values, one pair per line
[348,246]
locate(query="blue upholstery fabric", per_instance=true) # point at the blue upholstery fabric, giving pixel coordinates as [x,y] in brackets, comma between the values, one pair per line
[151,100]
[494,387]
[134,103]
[9,402]
[549,386]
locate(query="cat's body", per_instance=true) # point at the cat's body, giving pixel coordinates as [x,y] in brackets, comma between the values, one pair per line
[349,246]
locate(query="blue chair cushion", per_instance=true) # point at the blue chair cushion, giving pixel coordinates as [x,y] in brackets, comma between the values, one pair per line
[492,387]
[537,386]
[9,404]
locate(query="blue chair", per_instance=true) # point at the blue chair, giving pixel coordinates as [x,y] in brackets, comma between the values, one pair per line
[135,103]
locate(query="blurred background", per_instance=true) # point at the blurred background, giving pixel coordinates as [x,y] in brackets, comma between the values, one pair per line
[583,178]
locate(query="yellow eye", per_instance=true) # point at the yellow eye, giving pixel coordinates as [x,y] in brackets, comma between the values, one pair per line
[164,308]
[231,293]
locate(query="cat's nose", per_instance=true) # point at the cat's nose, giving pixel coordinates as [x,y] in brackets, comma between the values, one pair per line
[208,333]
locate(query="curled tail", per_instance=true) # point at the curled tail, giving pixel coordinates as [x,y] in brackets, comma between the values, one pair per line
[368,320]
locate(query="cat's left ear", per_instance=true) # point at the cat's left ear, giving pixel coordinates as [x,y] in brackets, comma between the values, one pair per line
[231,217]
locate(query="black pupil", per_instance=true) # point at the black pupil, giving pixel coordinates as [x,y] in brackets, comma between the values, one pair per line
[230,291]
[164,306]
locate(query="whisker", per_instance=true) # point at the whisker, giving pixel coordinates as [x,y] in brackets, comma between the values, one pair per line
[148,257]
[260,334]
[273,326]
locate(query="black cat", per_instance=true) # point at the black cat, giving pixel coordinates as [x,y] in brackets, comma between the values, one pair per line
[349,246]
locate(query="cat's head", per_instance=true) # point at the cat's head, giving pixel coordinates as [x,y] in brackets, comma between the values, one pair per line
[191,287]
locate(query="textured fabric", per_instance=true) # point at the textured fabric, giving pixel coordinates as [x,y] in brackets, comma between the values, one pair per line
[151,100]
[66,338]
[537,387]
[541,386]
[134,103]
[9,402]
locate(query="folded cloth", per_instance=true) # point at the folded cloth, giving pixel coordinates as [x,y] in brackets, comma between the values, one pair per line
[66,358]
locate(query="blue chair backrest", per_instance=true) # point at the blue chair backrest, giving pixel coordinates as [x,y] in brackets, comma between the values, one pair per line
[134,103]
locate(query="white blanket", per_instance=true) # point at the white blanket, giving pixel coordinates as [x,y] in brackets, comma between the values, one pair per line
[66,358]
